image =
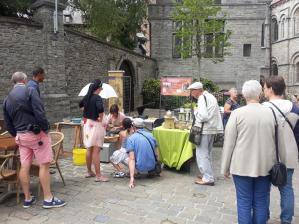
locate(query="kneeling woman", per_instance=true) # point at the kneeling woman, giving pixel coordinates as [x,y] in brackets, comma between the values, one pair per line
[94,130]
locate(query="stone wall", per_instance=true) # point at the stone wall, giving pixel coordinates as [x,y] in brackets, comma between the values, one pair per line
[70,59]
[244,19]
[87,58]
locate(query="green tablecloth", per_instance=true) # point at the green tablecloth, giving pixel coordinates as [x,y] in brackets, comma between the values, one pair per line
[174,147]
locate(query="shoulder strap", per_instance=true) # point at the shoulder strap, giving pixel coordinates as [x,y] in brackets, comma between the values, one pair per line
[149,143]
[287,120]
[193,122]
[276,134]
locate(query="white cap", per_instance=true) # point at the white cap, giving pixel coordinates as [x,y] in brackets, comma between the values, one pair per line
[196,85]
[138,122]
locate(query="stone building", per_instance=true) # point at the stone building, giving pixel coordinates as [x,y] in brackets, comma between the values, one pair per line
[248,59]
[70,59]
[285,42]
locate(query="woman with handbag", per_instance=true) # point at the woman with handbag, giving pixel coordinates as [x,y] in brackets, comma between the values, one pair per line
[249,154]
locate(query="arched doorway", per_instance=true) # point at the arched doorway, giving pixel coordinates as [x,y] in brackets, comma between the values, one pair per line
[128,93]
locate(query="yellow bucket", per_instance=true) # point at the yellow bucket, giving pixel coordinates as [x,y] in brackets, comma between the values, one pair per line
[79,156]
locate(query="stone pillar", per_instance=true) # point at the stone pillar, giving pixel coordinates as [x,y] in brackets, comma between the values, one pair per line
[54,87]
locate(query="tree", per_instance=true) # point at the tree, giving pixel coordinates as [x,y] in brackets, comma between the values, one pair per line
[200,30]
[115,21]
[15,8]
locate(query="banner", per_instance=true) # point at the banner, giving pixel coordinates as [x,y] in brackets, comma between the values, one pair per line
[175,86]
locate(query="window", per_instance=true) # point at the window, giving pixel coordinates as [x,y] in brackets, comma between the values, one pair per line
[274,68]
[208,45]
[217,2]
[274,33]
[282,27]
[246,50]
[178,42]
[214,42]
[263,36]
[297,71]
[296,21]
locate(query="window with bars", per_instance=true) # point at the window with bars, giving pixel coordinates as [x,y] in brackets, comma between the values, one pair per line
[214,44]
[179,42]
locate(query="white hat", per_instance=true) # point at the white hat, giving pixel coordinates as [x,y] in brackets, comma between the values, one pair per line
[138,122]
[196,85]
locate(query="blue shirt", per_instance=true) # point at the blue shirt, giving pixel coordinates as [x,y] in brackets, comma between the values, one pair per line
[144,156]
[34,84]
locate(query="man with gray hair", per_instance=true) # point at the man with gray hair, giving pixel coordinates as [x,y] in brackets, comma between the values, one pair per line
[25,119]
[208,117]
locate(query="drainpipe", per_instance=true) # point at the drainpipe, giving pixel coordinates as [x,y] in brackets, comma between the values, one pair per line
[55,17]
[270,37]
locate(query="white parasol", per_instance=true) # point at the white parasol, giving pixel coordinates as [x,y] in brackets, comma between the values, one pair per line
[107,92]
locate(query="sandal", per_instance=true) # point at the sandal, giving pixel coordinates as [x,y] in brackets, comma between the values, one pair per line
[89,175]
[101,179]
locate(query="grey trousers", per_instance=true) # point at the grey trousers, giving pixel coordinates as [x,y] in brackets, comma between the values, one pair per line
[204,157]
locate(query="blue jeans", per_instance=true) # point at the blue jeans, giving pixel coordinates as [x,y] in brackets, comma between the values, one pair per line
[252,199]
[287,200]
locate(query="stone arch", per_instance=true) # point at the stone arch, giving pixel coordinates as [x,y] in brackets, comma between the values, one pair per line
[295,19]
[129,84]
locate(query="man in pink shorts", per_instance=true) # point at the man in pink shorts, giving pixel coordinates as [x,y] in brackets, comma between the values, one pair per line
[25,118]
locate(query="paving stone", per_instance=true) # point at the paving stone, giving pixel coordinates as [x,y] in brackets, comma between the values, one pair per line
[172,198]
[101,218]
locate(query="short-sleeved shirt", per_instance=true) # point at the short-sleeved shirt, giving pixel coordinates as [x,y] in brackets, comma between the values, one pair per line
[144,156]
[234,105]
[94,108]
[118,121]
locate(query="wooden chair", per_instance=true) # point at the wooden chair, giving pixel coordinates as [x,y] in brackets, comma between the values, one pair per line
[9,171]
[5,133]
[57,139]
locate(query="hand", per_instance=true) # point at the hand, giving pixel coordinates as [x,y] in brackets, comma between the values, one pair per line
[131,184]
[227,174]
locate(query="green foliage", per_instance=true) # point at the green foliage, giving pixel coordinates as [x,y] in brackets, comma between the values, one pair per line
[15,8]
[116,21]
[209,85]
[190,105]
[195,19]
[151,91]
[172,102]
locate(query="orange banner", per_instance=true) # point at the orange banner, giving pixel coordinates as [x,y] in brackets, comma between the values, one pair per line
[175,86]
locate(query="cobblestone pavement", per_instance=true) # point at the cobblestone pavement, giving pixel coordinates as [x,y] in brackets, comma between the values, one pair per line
[171,198]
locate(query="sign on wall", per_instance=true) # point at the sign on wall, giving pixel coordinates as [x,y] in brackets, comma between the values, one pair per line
[175,86]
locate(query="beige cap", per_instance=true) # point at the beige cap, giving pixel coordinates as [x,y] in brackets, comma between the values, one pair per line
[196,85]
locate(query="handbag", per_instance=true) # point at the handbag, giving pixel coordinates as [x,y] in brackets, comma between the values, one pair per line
[278,171]
[196,132]
[158,165]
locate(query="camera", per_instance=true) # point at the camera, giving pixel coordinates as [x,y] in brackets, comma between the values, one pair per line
[34,128]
